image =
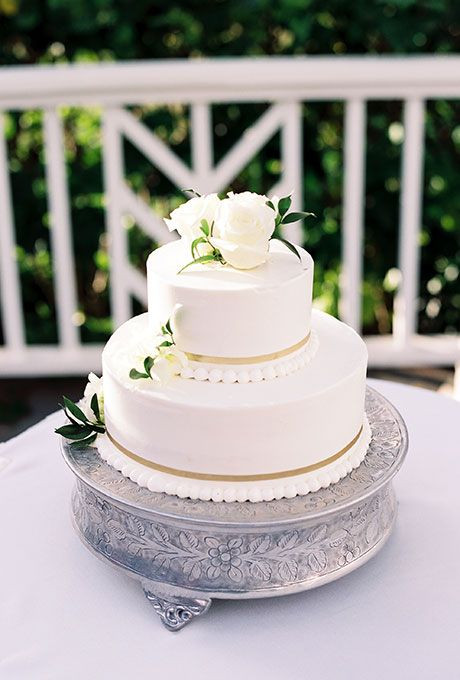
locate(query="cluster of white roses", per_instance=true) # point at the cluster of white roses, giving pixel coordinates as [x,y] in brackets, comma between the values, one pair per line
[164,362]
[239,227]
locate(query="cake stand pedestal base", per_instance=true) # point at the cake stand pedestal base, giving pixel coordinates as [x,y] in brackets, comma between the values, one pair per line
[186,553]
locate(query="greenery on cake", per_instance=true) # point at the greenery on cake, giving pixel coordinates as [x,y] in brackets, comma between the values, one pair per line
[87,417]
[233,229]
[165,361]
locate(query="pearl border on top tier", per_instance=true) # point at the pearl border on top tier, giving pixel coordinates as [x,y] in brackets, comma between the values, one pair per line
[251,373]
[230,492]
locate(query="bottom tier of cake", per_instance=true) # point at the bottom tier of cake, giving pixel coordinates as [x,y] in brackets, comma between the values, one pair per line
[238,442]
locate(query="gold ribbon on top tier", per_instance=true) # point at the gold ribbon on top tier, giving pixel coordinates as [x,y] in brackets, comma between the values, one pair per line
[259,359]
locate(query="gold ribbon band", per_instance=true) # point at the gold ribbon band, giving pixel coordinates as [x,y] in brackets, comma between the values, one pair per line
[204,358]
[234,478]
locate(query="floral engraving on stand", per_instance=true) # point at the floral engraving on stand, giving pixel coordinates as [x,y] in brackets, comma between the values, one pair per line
[222,560]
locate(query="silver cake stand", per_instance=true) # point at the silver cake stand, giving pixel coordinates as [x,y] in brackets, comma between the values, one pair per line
[186,552]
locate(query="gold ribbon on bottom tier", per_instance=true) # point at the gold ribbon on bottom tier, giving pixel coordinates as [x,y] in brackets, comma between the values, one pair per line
[235,478]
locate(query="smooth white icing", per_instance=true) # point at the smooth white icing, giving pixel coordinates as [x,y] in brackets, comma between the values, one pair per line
[238,428]
[224,312]
[243,491]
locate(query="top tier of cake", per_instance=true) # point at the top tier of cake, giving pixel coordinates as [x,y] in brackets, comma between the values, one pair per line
[219,313]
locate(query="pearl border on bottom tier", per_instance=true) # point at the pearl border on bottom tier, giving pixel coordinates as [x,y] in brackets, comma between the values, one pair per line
[240,491]
[251,372]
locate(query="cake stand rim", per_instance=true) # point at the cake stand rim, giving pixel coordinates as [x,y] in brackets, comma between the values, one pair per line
[181,516]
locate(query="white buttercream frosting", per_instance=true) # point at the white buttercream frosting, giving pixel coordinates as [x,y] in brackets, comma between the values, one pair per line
[220,311]
[240,428]
[242,491]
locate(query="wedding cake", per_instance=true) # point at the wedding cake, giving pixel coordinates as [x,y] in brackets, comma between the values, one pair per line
[230,387]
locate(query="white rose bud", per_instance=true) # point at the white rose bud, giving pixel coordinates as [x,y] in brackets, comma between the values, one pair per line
[242,230]
[187,218]
[93,387]
[169,363]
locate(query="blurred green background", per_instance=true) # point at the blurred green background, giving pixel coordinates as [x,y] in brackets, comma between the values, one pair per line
[56,31]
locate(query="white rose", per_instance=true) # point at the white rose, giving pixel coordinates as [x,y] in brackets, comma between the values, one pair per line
[169,362]
[93,387]
[242,230]
[187,218]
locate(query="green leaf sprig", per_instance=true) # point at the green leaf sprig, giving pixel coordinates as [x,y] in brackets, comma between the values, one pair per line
[213,256]
[81,430]
[285,217]
[149,361]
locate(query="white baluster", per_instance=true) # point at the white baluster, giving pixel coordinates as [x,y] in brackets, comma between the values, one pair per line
[61,239]
[200,122]
[292,162]
[9,277]
[118,242]
[405,312]
[353,211]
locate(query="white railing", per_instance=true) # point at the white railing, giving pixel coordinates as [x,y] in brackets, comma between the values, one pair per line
[284,83]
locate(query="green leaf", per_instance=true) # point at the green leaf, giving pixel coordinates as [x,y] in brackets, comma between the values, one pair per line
[76,434]
[168,326]
[69,416]
[191,191]
[148,363]
[284,204]
[291,246]
[205,227]
[270,205]
[166,343]
[84,442]
[196,243]
[74,410]
[296,216]
[97,428]
[95,407]
[69,430]
[199,260]
[134,374]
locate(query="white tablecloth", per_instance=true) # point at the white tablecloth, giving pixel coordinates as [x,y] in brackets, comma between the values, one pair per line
[65,615]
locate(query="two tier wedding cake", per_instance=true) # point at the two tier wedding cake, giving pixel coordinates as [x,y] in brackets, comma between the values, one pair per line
[230,387]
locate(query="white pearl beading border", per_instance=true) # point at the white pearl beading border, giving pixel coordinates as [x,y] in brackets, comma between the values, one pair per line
[160,482]
[252,373]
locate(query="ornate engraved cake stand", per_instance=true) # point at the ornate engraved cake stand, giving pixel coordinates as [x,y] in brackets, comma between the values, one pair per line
[186,552]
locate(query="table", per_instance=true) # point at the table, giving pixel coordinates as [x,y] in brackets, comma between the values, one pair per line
[65,615]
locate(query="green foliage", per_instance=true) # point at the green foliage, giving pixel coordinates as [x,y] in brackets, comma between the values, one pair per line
[81,431]
[54,31]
